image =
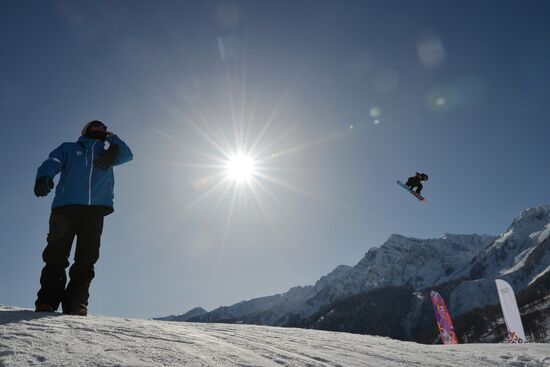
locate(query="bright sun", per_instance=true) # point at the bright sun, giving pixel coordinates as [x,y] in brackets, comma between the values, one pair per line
[240,168]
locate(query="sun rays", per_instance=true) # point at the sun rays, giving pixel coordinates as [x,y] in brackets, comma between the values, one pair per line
[238,156]
[240,163]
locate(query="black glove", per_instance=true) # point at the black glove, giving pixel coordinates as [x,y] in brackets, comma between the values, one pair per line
[43,186]
[107,158]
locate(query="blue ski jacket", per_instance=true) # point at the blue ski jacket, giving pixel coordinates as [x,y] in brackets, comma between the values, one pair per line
[82,183]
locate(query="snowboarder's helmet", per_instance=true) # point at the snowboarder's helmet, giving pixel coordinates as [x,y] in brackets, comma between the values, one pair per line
[424,176]
[93,123]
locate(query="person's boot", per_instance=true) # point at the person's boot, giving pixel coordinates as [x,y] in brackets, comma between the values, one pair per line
[80,310]
[44,307]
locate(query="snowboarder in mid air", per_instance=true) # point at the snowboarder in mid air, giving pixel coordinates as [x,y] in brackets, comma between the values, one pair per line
[84,195]
[415,182]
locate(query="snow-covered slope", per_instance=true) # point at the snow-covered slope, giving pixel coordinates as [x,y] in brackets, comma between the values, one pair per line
[31,339]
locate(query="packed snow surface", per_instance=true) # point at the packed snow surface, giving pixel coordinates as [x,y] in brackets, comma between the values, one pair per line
[47,339]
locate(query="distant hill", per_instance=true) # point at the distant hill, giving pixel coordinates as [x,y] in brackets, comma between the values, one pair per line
[195,312]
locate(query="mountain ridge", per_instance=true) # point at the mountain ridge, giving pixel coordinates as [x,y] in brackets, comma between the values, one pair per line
[468,261]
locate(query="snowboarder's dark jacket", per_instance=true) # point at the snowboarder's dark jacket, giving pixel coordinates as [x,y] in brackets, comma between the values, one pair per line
[81,182]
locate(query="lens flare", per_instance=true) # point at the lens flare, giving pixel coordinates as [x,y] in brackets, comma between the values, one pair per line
[431,51]
[375,112]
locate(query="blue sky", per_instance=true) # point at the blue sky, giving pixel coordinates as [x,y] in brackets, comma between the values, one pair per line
[342,98]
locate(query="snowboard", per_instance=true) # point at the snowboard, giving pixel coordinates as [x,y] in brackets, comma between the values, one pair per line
[418,196]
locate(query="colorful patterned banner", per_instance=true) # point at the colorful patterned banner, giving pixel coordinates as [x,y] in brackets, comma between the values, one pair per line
[444,322]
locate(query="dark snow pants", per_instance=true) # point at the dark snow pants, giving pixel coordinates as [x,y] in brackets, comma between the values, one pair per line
[86,223]
[412,182]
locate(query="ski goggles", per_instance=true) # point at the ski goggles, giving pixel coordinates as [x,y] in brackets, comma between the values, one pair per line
[99,124]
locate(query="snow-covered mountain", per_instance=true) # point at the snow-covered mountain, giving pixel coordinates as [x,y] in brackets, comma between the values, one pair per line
[403,260]
[519,255]
[405,314]
[197,311]
[400,260]
[49,339]
[517,247]
[469,262]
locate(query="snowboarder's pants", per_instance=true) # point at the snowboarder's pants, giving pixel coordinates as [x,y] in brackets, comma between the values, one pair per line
[86,223]
[412,183]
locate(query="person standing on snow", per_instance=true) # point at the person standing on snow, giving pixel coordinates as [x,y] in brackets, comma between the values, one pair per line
[416,182]
[84,195]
